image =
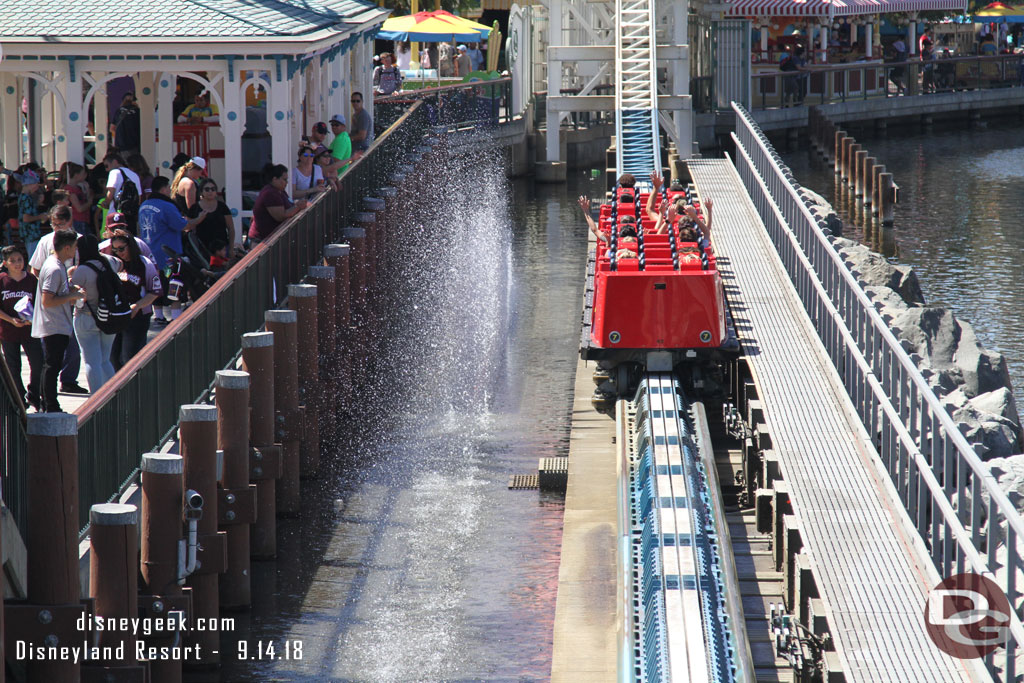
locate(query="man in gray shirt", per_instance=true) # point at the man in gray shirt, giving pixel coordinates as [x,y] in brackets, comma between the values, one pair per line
[51,317]
[362,127]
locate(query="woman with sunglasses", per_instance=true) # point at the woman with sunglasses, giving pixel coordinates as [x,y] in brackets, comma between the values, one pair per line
[218,226]
[307,177]
[141,287]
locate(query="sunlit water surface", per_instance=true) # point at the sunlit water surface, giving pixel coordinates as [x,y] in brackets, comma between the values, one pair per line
[958,223]
[412,559]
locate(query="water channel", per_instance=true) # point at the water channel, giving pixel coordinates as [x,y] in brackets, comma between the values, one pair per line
[958,223]
[412,559]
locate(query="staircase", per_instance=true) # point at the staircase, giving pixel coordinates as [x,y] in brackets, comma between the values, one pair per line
[636,121]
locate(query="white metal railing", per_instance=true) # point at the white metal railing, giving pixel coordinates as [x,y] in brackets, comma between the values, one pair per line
[929,461]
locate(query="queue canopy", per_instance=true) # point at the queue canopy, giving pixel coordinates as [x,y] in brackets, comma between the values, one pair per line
[826,9]
[437,26]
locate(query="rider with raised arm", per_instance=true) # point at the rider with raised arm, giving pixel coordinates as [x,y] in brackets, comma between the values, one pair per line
[669,213]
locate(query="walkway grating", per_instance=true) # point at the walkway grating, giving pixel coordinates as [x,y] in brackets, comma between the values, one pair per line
[871,576]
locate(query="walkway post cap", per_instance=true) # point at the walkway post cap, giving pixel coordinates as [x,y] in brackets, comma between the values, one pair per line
[374,203]
[321,272]
[52,424]
[366,217]
[196,412]
[279,315]
[163,463]
[232,379]
[257,340]
[354,233]
[113,514]
[388,192]
[301,291]
[336,250]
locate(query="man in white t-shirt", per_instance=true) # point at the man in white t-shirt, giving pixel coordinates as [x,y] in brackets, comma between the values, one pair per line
[116,173]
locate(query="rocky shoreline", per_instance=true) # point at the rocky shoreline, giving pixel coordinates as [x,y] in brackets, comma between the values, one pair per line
[972,381]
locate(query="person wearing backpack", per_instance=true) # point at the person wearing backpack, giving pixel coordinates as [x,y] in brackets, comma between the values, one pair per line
[124,189]
[104,309]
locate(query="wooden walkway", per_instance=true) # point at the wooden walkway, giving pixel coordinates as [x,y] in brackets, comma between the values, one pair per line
[869,564]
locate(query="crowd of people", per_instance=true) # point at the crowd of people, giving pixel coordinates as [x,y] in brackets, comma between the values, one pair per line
[90,254]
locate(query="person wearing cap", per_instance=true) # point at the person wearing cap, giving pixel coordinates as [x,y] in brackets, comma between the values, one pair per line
[30,216]
[341,145]
[184,187]
[463,63]
[317,135]
[117,221]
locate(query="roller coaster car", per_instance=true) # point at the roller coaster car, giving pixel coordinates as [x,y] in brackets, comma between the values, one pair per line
[659,308]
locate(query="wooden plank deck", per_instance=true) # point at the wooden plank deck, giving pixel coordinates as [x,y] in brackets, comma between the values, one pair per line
[870,570]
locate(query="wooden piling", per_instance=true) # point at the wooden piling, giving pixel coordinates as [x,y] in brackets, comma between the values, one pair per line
[303,300]
[198,433]
[52,543]
[868,178]
[356,238]
[113,572]
[876,185]
[837,154]
[367,220]
[850,156]
[337,256]
[858,171]
[160,535]
[327,343]
[288,425]
[265,456]
[236,506]
[887,197]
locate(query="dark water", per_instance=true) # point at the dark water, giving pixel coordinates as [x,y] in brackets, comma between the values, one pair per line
[958,223]
[413,560]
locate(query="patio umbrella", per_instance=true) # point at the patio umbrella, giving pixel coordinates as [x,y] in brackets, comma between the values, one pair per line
[1000,12]
[433,27]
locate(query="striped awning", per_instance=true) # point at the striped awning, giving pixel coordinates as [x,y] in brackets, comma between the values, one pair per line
[837,8]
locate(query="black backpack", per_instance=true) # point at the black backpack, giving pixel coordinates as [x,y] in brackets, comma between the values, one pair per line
[127,200]
[113,312]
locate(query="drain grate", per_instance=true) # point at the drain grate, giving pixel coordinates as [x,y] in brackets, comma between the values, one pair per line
[554,473]
[524,481]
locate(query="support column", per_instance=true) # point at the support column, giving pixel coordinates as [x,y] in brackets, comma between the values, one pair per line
[146,91]
[10,120]
[683,118]
[303,300]
[554,118]
[100,119]
[258,361]
[278,105]
[912,35]
[869,39]
[288,415]
[73,122]
[823,43]
[198,429]
[165,121]
[237,504]
[53,544]
[337,101]
[113,579]
[232,124]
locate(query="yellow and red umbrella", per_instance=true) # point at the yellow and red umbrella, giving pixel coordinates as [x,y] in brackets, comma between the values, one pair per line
[433,27]
[1000,10]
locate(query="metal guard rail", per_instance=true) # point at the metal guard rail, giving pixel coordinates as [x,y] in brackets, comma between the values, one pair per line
[924,452]
[138,409]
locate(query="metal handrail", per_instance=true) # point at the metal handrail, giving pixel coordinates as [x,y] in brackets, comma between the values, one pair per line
[917,439]
[825,71]
[436,90]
